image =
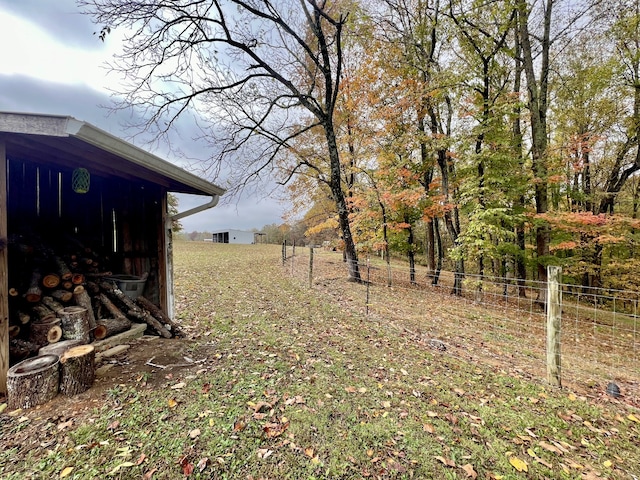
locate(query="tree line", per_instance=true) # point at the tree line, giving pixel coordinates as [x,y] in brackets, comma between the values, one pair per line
[485,136]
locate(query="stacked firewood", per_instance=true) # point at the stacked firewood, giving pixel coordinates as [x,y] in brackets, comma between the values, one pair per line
[55,296]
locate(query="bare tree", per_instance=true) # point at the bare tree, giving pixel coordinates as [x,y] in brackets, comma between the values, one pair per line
[256,75]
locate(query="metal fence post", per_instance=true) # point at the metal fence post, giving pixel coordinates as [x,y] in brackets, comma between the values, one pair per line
[554,323]
[310,267]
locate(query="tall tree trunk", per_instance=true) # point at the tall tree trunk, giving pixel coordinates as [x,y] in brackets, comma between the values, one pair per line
[431,249]
[351,256]
[411,254]
[520,259]
[439,253]
[538,105]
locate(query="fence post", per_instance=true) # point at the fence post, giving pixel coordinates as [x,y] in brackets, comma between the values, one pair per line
[554,323]
[284,252]
[310,267]
[368,285]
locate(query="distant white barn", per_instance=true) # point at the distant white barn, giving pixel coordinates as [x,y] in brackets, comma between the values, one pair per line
[234,236]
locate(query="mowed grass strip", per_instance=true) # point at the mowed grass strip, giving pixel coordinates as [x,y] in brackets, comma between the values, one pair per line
[294,387]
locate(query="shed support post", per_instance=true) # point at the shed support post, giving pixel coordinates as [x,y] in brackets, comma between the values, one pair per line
[4,273]
[166,258]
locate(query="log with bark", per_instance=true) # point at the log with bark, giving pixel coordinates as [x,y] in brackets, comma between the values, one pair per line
[146,304]
[21,349]
[63,296]
[77,369]
[155,324]
[75,323]
[133,310]
[52,304]
[42,313]
[83,299]
[43,333]
[34,292]
[113,291]
[107,327]
[33,381]
[110,306]
[24,317]
[14,331]
[63,269]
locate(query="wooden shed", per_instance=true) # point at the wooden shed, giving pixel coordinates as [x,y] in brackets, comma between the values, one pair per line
[65,185]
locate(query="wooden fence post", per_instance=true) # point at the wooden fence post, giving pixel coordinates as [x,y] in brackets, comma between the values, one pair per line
[554,323]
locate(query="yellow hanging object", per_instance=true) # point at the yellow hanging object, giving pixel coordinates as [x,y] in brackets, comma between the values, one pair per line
[80,180]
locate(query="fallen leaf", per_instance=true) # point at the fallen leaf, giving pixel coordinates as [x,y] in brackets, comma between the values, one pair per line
[350,389]
[607,463]
[194,433]
[550,448]
[273,430]
[65,472]
[187,466]
[633,418]
[404,372]
[172,403]
[63,425]
[459,391]
[118,467]
[427,427]
[113,425]
[206,387]
[141,459]
[386,404]
[149,474]
[309,452]
[178,386]
[471,473]
[362,390]
[446,461]
[202,464]
[264,453]
[519,465]
[239,425]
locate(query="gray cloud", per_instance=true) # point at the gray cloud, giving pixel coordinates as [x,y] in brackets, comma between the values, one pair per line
[251,209]
[62,19]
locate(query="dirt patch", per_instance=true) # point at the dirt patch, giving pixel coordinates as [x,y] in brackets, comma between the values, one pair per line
[149,362]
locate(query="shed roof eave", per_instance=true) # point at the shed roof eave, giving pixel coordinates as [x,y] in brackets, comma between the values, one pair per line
[66,126]
[110,143]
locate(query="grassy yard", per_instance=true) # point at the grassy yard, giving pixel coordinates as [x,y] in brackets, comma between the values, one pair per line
[286,382]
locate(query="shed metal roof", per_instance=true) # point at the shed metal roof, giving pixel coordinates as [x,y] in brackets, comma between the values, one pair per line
[71,143]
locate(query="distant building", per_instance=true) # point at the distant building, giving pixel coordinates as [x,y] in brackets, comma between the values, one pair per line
[234,236]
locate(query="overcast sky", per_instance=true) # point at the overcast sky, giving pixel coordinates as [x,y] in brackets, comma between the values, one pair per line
[52,63]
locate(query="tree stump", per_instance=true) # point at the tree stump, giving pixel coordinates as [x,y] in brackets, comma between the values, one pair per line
[33,381]
[75,323]
[77,369]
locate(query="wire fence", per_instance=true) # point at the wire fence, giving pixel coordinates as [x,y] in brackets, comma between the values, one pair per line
[491,319]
